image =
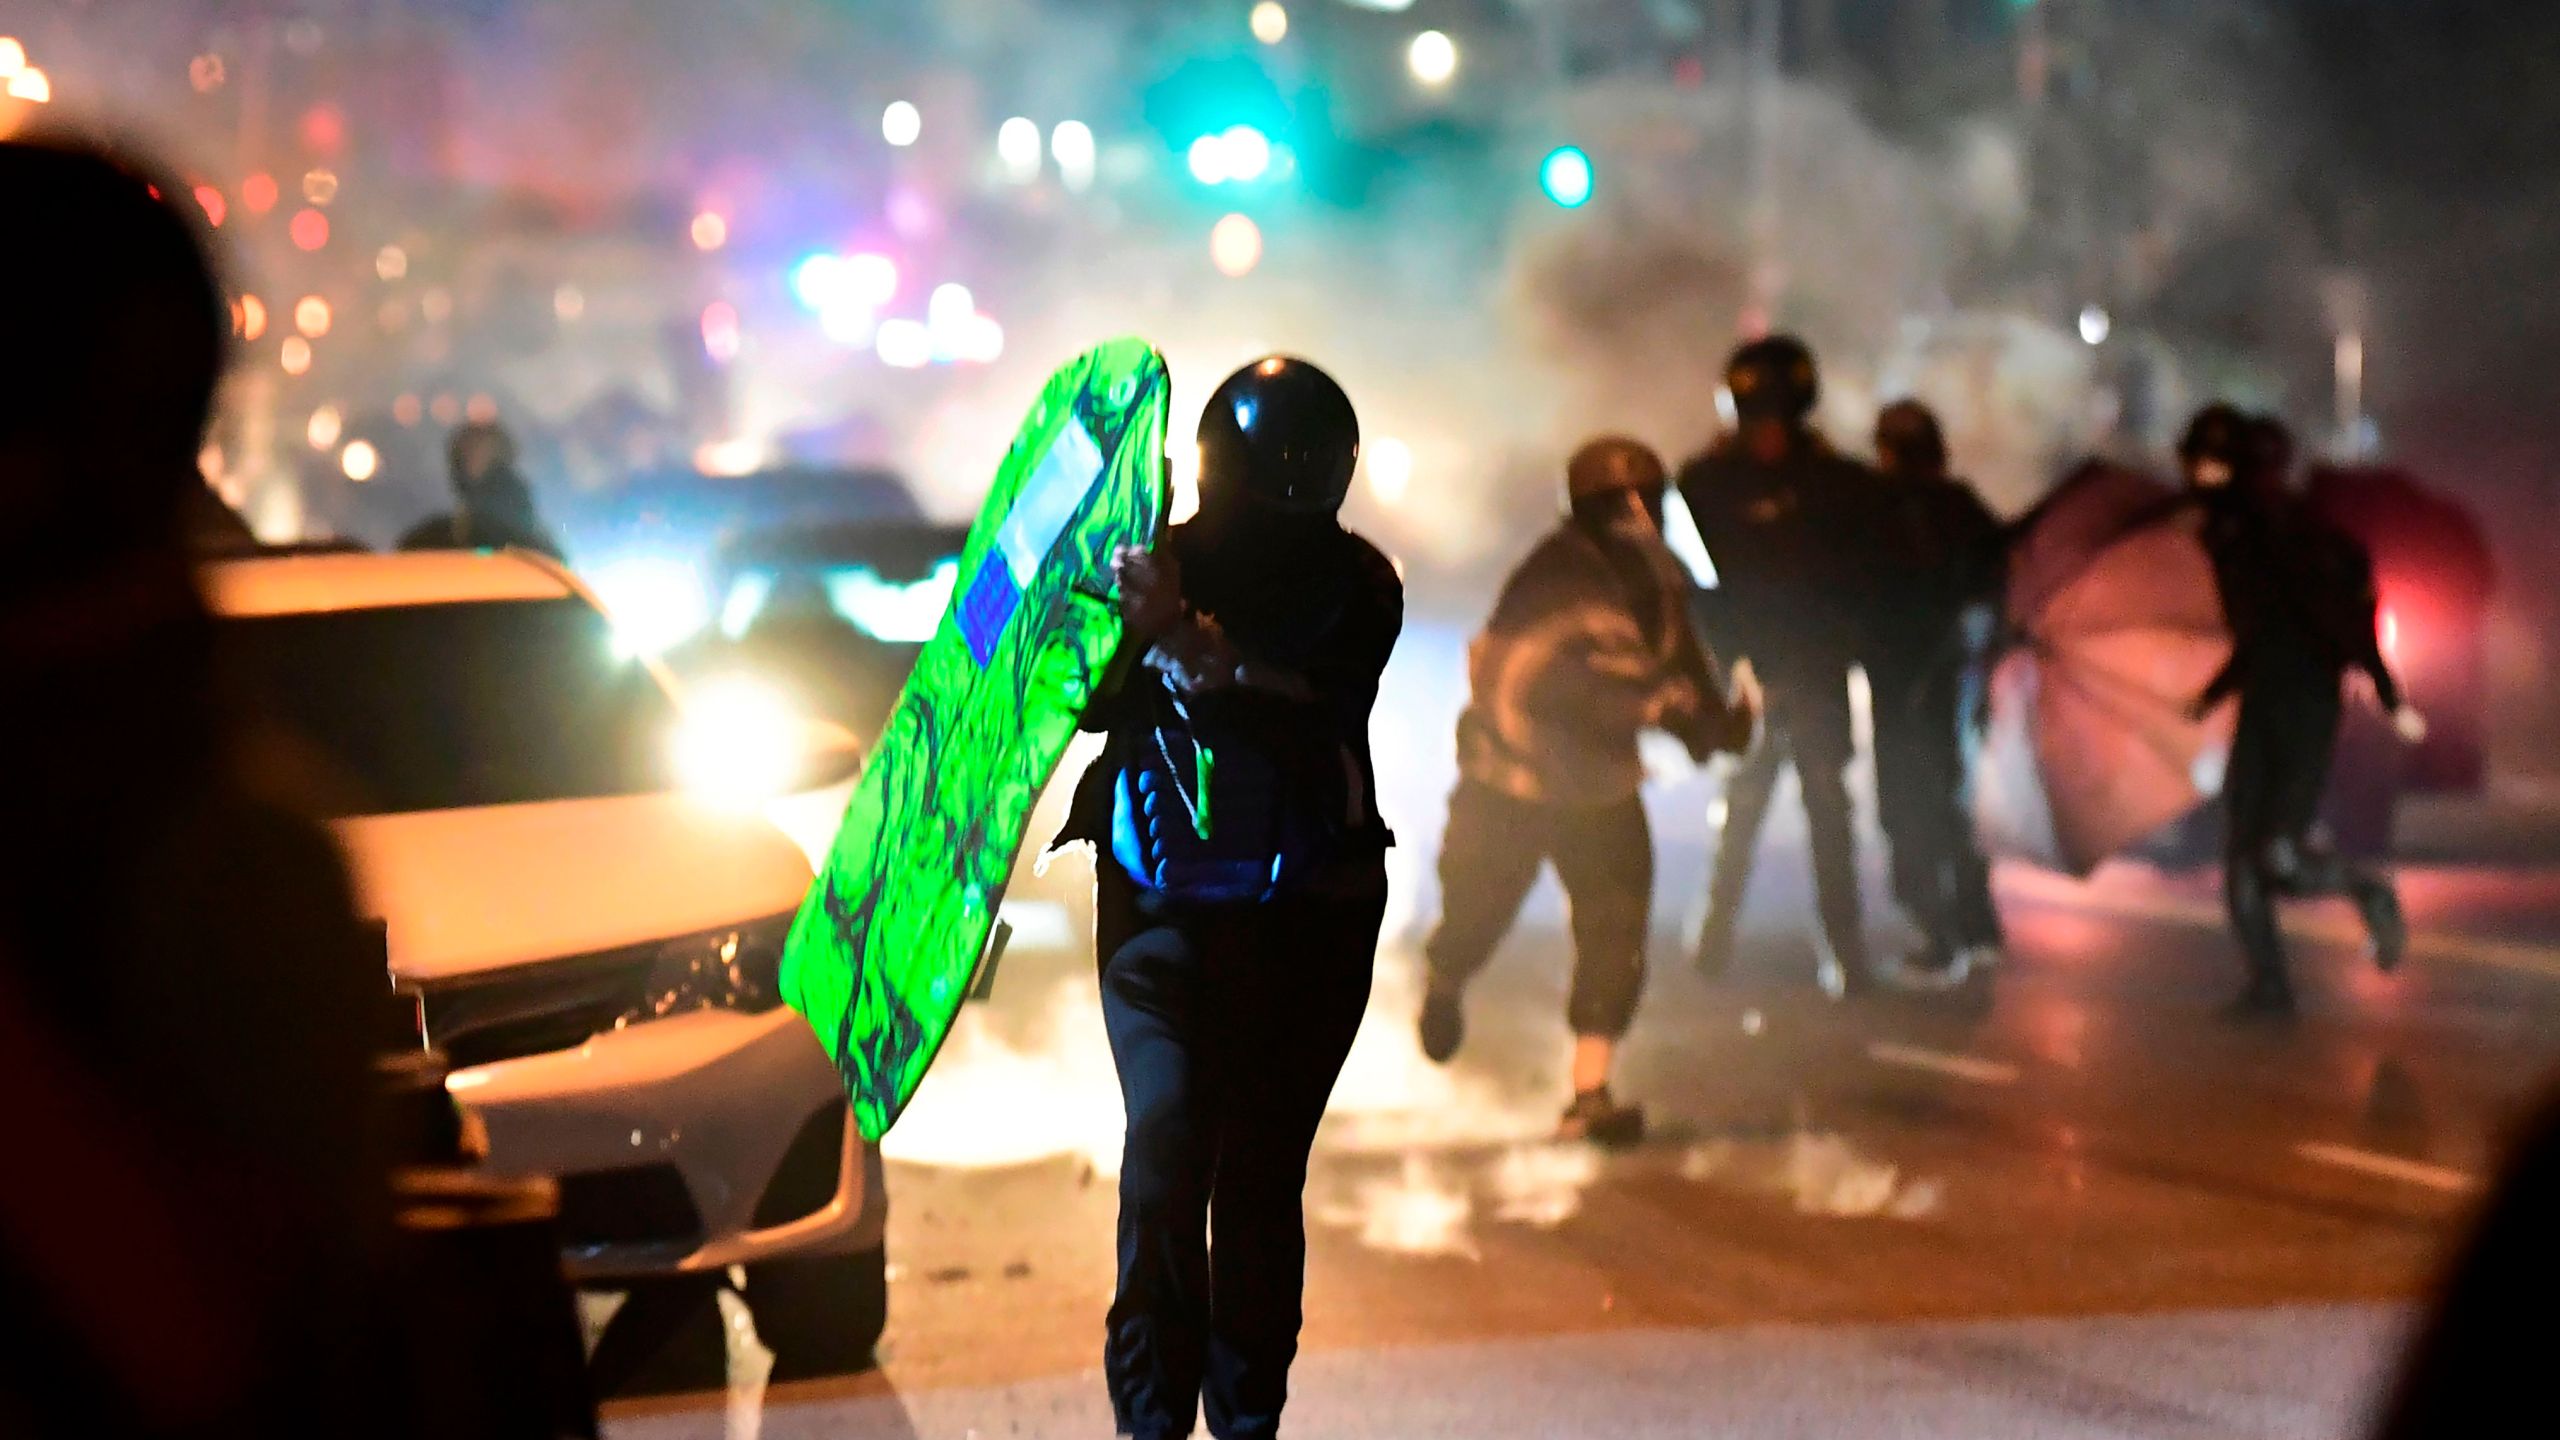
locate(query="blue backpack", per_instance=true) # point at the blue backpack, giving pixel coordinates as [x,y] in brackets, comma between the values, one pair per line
[1205,812]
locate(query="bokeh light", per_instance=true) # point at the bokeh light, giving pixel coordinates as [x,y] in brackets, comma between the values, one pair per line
[1390,466]
[902,123]
[320,186]
[2096,324]
[904,344]
[1072,146]
[214,206]
[310,229]
[950,307]
[407,411]
[258,192]
[1018,147]
[360,460]
[1566,177]
[710,230]
[253,317]
[720,335]
[568,302]
[295,355]
[31,85]
[13,56]
[1270,22]
[311,316]
[1235,246]
[1433,58]
[325,427]
[481,409]
[206,73]
[391,262]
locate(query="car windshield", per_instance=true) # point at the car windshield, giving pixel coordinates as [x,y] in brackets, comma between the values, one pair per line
[436,707]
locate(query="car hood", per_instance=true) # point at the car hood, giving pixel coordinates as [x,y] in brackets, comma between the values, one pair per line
[464,891]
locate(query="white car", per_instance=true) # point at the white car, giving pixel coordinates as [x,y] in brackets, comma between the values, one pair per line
[592,944]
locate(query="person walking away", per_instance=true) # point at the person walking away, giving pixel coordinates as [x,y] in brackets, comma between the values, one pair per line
[1785,518]
[2298,595]
[1238,893]
[1589,645]
[492,504]
[1928,638]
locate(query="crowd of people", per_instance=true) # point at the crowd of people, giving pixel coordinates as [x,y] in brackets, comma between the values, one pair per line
[208,1255]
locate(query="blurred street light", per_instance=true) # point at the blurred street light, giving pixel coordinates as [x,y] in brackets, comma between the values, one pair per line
[1235,246]
[1071,145]
[2096,324]
[360,460]
[1018,147]
[1433,58]
[1270,22]
[1565,175]
[901,123]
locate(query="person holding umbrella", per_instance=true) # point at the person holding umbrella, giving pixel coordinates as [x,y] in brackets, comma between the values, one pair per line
[2298,596]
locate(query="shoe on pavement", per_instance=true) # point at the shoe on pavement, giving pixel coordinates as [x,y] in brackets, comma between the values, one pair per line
[1932,968]
[2387,927]
[2267,998]
[1443,1027]
[1840,980]
[1597,1116]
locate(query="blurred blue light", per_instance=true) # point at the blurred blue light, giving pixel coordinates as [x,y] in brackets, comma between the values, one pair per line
[819,280]
[1566,177]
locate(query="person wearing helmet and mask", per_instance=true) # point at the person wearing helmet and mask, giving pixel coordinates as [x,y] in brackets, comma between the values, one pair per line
[2298,595]
[1589,645]
[1785,519]
[1924,645]
[1240,883]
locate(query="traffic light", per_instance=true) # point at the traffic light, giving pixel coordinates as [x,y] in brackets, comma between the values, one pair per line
[1566,177]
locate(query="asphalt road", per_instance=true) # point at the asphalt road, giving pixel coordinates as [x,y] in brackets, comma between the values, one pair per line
[2087,1207]
[2076,1203]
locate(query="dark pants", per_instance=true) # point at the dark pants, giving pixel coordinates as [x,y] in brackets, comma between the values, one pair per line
[1924,799]
[1807,725]
[2279,767]
[1228,1025]
[1603,854]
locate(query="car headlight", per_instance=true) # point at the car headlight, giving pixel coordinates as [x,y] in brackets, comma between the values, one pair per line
[739,744]
[736,969]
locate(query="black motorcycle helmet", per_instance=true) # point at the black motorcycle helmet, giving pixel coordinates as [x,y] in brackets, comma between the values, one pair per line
[1279,433]
[2216,446]
[1909,440]
[1613,478]
[1773,378]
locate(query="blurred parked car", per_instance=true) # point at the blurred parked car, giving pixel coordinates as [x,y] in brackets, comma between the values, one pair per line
[593,944]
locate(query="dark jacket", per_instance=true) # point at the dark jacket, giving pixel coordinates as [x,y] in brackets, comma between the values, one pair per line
[1940,553]
[2298,593]
[1588,646]
[1792,545]
[1312,599]
[495,513]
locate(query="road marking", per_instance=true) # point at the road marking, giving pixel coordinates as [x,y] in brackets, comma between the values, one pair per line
[1962,1067]
[2389,1167]
[2054,890]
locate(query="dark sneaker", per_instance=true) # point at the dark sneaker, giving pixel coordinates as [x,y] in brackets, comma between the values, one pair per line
[2269,997]
[1444,1026]
[1596,1116]
[1929,968]
[1842,980]
[2384,923]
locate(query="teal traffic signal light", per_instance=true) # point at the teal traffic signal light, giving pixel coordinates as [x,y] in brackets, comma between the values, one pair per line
[1566,177]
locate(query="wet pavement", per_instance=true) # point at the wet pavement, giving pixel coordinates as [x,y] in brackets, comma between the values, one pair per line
[2087,1206]
[2072,1202]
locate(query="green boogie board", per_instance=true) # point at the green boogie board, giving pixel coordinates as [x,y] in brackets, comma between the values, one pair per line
[883,951]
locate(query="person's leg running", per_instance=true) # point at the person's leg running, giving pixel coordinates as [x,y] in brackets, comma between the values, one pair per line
[1604,857]
[1746,808]
[1153,1003]
[2255,850]
[1488,861]
[1825,743]
[1288,1005]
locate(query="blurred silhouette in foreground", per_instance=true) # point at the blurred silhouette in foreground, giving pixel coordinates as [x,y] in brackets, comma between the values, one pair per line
[492,504]
[2480,1361]
[183,977]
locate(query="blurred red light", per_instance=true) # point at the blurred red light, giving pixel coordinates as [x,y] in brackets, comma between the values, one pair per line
[324,128]
[310,229]
[214,206]
[258,192]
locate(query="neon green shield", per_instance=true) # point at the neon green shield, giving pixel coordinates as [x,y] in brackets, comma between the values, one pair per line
[882,953]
